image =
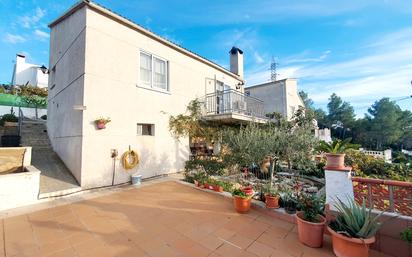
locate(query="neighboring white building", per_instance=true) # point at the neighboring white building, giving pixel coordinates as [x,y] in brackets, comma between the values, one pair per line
[279,96]
[103,65]
[27,73]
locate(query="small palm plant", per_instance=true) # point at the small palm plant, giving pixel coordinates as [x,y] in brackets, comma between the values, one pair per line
[355,220]
[337,146]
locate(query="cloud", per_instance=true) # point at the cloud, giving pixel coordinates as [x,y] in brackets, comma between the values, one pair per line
[41,35]
[27,21]
[13,39]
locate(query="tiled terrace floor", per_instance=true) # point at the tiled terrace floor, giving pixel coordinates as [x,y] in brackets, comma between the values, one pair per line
[164,219]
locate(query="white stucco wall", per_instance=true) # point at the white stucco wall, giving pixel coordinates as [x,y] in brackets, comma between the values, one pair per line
[18,189]
[66,81]
[110,88]
[338,185]
[281,96]
[24,73]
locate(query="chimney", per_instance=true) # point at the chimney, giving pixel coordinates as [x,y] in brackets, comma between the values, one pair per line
[236,61]
[20,58]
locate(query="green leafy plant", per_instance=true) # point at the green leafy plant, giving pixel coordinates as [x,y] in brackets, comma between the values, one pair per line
[270,190]
[211,166]
[239,193]
[407,235]
[337,146]
[312,206]
[355,220]
[102,120]
[9,118]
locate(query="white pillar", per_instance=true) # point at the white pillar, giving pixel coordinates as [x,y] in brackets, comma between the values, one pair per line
[338,186]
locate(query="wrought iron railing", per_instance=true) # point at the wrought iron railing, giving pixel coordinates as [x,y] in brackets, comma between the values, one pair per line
[385,195]
[233,102]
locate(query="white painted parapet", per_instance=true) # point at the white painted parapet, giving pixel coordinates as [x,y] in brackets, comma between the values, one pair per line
[18,189]
[338,185]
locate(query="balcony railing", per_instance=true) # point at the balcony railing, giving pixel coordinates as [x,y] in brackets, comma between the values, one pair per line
[385,195]
[233,102]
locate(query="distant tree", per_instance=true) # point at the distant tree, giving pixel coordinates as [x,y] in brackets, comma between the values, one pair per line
[388,123]
[341,115]
[306,100]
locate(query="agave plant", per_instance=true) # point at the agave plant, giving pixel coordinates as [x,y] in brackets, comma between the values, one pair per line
[355,220]
[337,146]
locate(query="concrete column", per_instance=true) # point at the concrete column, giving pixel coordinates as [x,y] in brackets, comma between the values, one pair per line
[338,185]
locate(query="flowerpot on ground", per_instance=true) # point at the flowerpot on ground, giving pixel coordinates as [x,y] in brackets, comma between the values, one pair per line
[335,160]
[344,246]
[218,188]
[272,202]
[241,201]
[206,185]
[310,233]
[197,183]
[242,204]
[248,190]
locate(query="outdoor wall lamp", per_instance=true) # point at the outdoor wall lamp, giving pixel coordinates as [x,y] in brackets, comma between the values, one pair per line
[44,69]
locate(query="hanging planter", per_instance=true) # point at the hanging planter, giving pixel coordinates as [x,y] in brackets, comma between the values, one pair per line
[101,122]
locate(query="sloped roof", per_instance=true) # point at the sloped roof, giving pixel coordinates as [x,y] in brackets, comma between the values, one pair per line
[127,22]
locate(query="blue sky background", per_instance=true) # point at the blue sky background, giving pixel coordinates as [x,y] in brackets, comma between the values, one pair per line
[361,50]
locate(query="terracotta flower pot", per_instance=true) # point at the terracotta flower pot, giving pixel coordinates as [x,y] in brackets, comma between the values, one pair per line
[272,202]
[335,160]
[242,205]
[310,233]
[206,185]
[344,246]
[248,190]
[101,125]
[197,183]
[218,188]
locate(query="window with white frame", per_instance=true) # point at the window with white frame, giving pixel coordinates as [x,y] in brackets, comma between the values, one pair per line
[153,71]
[144,129]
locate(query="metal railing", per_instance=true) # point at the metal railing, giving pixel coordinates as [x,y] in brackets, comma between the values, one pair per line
[232,101]
[20,119]
[385,195]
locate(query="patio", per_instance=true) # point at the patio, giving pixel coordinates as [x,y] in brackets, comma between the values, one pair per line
[160,219]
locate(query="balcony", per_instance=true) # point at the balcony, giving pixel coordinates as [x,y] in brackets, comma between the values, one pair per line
[231,106]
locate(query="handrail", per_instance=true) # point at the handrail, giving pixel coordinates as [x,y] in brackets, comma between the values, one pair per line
[235,92]
[386,195]
[20,119]
[232,101]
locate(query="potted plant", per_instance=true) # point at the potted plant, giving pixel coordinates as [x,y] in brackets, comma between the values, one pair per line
[335,152]
[354,229]
[248,190]
[241,201]
[218,186]
[271,196]
[310,220]
[101,122]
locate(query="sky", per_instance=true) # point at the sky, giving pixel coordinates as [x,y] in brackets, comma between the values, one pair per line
[360,50]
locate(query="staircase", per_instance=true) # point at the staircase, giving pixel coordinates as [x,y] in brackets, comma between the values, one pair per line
[55,179]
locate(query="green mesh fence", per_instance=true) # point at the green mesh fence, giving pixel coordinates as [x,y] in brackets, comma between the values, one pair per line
[14,100]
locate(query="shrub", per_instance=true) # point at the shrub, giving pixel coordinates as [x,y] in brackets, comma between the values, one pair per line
[43,117]
[8,117]
[407,235]
[367,166]
[211,166]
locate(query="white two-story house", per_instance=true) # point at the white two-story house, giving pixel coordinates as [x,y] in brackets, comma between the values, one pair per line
[104,65]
